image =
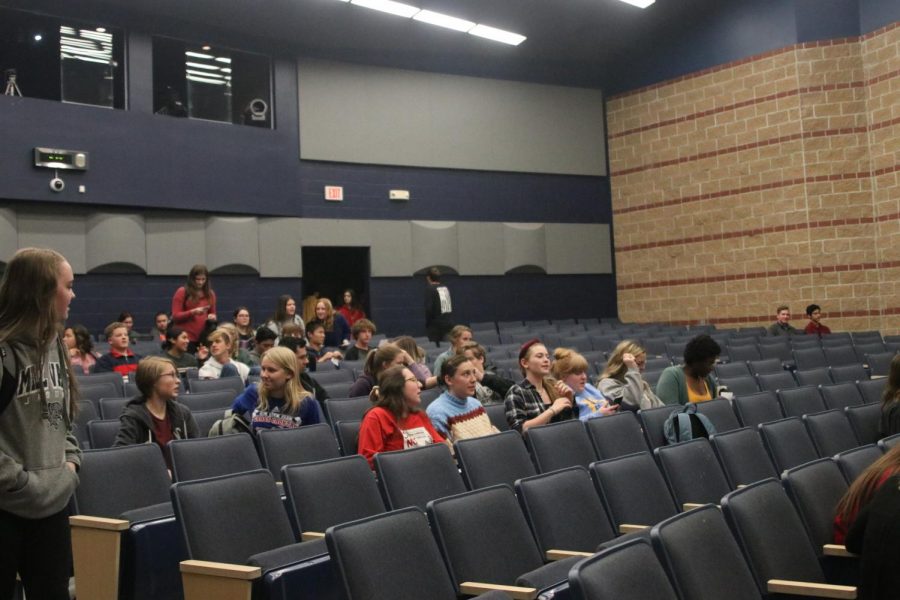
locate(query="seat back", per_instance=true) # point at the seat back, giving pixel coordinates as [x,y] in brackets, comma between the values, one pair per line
[205,419]
[483,536]
[413,564]
[693,472]
[348,436]
[815,489]
[702,557]
[788,443]
[841,395]
[840,355]
[800,401]
[328,492]
[111,408]
[740,385]
[497,414]
[231,384]
[616,435]
[87,412]
[652,420]
[627,571]
[780,352]
[416,476]
[761,407]
[880,363]
[771,534]
[200,458]
[741,352]
[889,442]
[737,368]
[767,365]
[817,376]
[336,376]
[559,445]
[113,378]
[853,462]
[213,400]
[493,459]
[231,517]
[871,389]
[346,409]
[830,432]
[633,490]
[721,414]
[743,456]
[116,480]
[776,381]
[848,373]
[865,420]
[279,447]
[582,526]
[94,391]
[809,358]
[102,433]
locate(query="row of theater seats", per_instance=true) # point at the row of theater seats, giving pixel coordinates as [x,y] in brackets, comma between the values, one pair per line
[564,509]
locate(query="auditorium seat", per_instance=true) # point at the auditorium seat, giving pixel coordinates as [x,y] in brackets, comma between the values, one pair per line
[627,571]
[493,459]
[559,445]
[616,435]
[817,376]
[416,476]
[102,432]
[830,432]
[633,491]
[788,443]
[865,420]
[841,395]
[856,460]
[693,472]
[815,488]
[232,384]
[200,458]
[310,443]
[743,456]
[801,400]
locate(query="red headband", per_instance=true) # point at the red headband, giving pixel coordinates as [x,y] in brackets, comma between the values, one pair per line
[524,349]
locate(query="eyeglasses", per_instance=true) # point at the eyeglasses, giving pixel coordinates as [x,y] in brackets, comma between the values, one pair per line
[408,379]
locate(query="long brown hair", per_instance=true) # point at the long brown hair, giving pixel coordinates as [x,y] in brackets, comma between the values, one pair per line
[329,310]
[375,359]
[28,314]
[615,367]
[892,387]
[863,487]
[195,292]
[388,394]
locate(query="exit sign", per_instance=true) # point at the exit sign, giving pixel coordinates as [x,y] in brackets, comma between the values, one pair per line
[334,193]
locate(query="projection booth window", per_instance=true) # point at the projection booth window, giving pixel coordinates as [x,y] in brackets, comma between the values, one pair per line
[213,83]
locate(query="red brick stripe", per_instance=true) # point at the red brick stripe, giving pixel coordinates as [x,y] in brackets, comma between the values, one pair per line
[816,270]
[754,188]
[758,231]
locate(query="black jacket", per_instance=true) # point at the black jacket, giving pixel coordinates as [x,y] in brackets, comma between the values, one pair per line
[136,424]
[875,536]
[314,387]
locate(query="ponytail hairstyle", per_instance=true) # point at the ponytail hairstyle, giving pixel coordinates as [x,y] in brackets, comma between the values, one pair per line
[376,359]
[294,394]
[388,394]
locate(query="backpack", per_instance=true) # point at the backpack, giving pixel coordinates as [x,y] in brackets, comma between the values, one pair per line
[687,424]
[232,423]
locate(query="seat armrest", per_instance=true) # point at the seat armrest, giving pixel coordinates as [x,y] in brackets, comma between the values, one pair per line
[805,588]
[96,547]
[561,554]
[836,550]
[307,536]
[204,580]
[471,588]
[628,528]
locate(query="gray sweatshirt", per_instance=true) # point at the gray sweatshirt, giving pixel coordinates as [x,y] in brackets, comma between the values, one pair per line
[36,437]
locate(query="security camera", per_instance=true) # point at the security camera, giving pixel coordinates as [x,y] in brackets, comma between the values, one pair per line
[57,184]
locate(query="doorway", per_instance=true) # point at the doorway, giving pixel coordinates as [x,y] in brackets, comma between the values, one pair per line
[329,270]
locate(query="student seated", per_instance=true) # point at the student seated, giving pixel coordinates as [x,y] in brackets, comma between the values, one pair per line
[219,363]
[120,358]
[621,380]
[263,340]
[693,381]
[386,356]
[298,347]
[490,388]
[176,348]
[459,335]
[278,401]
[337,330]
[417,364]
[160,325]
[155,417]
[571,368]
[81,348]
[456,414]
[395,421]
[285,313]
[362,332]
[815,327]
[782,325]
[890,401]
[315,345]
[537,399]
[860,492]
[127,319]
[237,353]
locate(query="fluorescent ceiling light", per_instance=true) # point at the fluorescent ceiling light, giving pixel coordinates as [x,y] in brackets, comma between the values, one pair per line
[201,66]
[223,59]
[388,6]
[205,80]
[639,3]
[441,20]
[498,35]
[198,55]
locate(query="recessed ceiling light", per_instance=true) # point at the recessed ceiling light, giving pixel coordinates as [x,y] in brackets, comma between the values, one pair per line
[639,3]
[441,20]
[498,35]
[100,30]
[38,37]
[206,48]
[388,6]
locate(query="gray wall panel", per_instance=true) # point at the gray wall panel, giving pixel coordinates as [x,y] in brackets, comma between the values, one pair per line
[175,244]
[574,249]
[373,115]
[524,245]
[232,241]
[481,248]
[115,238]
[9,234]
[434,243]
[279,247]
[62,232]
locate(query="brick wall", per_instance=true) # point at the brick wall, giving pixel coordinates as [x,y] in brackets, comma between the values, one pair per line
[767,180]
